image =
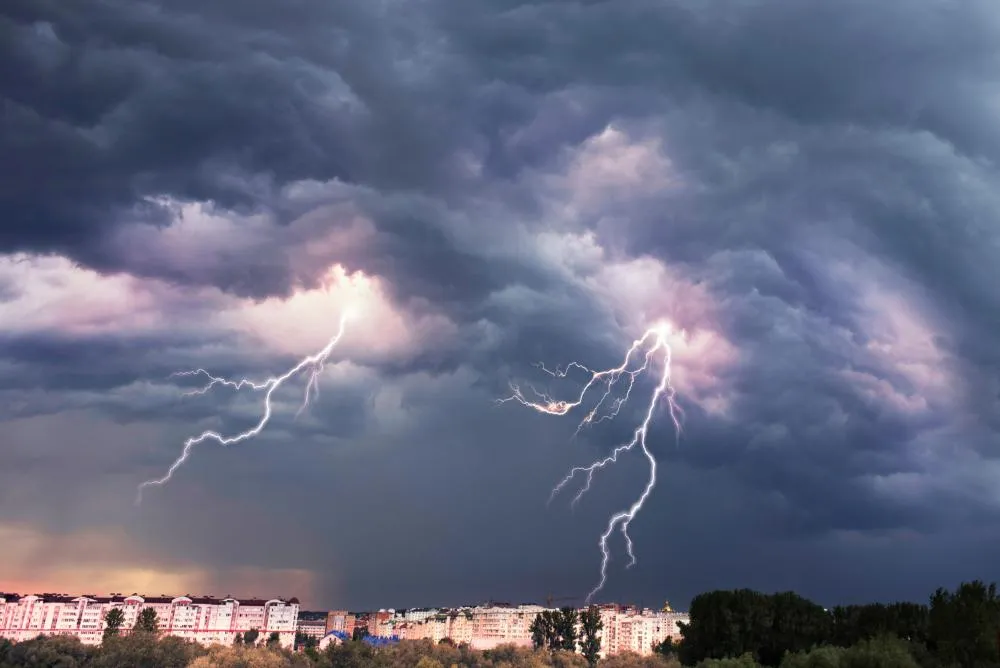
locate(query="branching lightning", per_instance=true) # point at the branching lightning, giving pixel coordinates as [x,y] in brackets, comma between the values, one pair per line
[656,344]
[313,366]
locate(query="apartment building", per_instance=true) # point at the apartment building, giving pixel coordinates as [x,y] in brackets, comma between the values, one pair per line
[482,627]
[628,629]
[200,619]
[341,621]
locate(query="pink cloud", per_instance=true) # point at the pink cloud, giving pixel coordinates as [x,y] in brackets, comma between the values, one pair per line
[51,294]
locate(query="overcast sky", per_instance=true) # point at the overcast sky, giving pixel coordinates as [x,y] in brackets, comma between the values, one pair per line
[808,189]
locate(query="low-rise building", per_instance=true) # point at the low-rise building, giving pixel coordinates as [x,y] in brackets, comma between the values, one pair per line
[312,628]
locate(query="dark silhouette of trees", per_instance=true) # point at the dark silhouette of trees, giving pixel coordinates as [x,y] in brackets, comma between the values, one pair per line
[541,629]
[113,621]
[744,622]
[854,623]
[250,637]
[145,650]
[147,622]
[273,640]
[668,649]
[964,626]
[61,651]
[590,634]
[766,627]
[555,629]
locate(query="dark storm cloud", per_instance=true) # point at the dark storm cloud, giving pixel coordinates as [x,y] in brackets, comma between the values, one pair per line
[830,168]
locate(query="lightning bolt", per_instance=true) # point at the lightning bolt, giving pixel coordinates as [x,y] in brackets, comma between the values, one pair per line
[313,366]
[656,344]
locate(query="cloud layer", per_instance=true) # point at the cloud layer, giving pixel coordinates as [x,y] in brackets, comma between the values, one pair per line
[806,189]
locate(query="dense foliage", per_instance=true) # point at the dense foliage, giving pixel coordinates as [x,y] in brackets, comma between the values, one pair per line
[731,628]
[148,651]
[728,629]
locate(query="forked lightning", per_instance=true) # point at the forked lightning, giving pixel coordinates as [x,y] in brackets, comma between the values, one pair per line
[313,365]
[609,379]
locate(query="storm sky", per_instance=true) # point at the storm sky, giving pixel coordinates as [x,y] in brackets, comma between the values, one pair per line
[806,189]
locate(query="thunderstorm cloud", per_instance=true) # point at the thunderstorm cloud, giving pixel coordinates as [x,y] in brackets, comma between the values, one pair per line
[807,188]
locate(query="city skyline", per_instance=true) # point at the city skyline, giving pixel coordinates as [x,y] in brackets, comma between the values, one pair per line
[796,196]
[228,621]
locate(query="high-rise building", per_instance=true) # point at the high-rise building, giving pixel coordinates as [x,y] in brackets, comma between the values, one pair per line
[628,629]
[201,619]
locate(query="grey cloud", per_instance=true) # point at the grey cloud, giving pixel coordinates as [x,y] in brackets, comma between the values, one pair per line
[800,134]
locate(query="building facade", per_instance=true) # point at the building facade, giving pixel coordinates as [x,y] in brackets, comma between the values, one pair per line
[481,627]
[341,621]
[200,619]
[625,629]
[628,629]
[312,628]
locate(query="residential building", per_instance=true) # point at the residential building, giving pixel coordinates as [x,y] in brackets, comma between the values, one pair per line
[312,628]
[380,623]
[341,621]
[201,619]
[482,627]
[629,629]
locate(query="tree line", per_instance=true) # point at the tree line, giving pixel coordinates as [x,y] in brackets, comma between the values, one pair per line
[958,628]
[556,630]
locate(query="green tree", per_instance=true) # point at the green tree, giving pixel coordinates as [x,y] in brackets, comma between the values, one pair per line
[854,623]
[565,629]
[744,660]
[667,649]
[145,650]
[745,622]
[590,639]
[725,624]
[633,660]
[113,621]
[963,626]
[351,654]
[273,640]
[880,652]
[250,637]
[147,622]
[541,630]
[821,657]
[238,639]
[797,624]
[429,662]
[46,652]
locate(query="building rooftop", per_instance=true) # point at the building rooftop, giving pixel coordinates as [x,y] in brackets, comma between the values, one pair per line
[119,598]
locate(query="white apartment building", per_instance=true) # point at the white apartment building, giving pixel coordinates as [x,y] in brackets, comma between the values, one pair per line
[631,630]
[200,619]
[312,628]
[482,627]
[625,629]
[415,614]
